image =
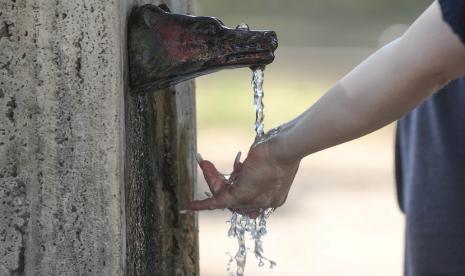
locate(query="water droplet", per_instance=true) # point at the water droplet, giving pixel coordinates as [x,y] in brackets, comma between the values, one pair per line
[272,264]
[243,26]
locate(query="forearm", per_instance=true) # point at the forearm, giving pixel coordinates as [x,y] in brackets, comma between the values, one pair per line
[380,90]
[363,101]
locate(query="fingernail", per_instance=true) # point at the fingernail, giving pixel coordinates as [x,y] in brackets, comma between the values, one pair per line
[185,212]
[199,158]
[238,158]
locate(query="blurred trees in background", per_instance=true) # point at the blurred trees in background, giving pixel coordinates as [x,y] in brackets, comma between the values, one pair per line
[319,42]
[317,23]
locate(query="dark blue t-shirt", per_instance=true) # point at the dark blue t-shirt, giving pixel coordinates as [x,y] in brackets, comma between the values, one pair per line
[430,173]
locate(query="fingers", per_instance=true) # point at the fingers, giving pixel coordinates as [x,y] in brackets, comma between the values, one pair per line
[248,199]
[199,158]
[237,162]
[214,179]
[212,204]
[205,204]
[222,200]
[236,168]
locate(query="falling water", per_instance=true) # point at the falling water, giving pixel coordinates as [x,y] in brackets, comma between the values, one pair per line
[240,224]
[256,228]
[257,85]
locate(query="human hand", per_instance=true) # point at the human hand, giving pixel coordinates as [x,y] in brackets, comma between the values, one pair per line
[261,182]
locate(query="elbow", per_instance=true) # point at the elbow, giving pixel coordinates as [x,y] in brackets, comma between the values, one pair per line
[429,66]
[429,78]
[428,75]
[440,79]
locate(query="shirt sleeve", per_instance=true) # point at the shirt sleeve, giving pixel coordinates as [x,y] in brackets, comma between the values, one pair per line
[453,12]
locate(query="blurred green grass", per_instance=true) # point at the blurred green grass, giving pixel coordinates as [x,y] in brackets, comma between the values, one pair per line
[293,82]
[316,23]
[320,41]
[226,99]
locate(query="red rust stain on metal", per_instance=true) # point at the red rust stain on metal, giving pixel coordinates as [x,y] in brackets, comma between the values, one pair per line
[175,38]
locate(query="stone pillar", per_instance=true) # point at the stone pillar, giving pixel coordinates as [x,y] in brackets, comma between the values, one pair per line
[91,176]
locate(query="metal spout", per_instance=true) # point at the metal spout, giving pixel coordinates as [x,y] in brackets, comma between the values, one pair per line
[167,48]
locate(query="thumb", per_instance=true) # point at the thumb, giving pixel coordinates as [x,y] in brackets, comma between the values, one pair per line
[205,204]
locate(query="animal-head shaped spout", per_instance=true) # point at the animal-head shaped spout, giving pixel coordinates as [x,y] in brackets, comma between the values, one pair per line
[167,48]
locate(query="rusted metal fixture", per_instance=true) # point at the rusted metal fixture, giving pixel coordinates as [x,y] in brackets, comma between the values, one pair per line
[167,48]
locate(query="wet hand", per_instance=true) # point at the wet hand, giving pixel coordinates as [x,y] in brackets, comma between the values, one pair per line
[260,182]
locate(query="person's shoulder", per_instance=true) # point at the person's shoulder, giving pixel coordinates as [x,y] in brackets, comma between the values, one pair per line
[454,14]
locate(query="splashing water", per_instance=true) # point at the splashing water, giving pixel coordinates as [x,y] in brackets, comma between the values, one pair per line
[256,228]
[240,224]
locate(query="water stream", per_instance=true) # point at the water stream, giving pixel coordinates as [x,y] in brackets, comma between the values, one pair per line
[257,85]
[241,224]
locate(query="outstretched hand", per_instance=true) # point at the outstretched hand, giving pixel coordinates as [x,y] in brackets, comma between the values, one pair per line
[260,182]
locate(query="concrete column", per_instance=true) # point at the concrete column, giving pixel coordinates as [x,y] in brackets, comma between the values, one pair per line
[91,176]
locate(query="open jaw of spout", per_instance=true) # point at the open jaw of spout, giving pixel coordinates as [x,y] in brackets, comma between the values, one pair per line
[167,48]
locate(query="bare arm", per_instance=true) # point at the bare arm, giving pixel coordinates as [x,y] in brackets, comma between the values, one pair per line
[380,90]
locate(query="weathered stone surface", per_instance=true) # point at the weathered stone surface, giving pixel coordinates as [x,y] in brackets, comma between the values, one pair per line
[60,155]
[69,154]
